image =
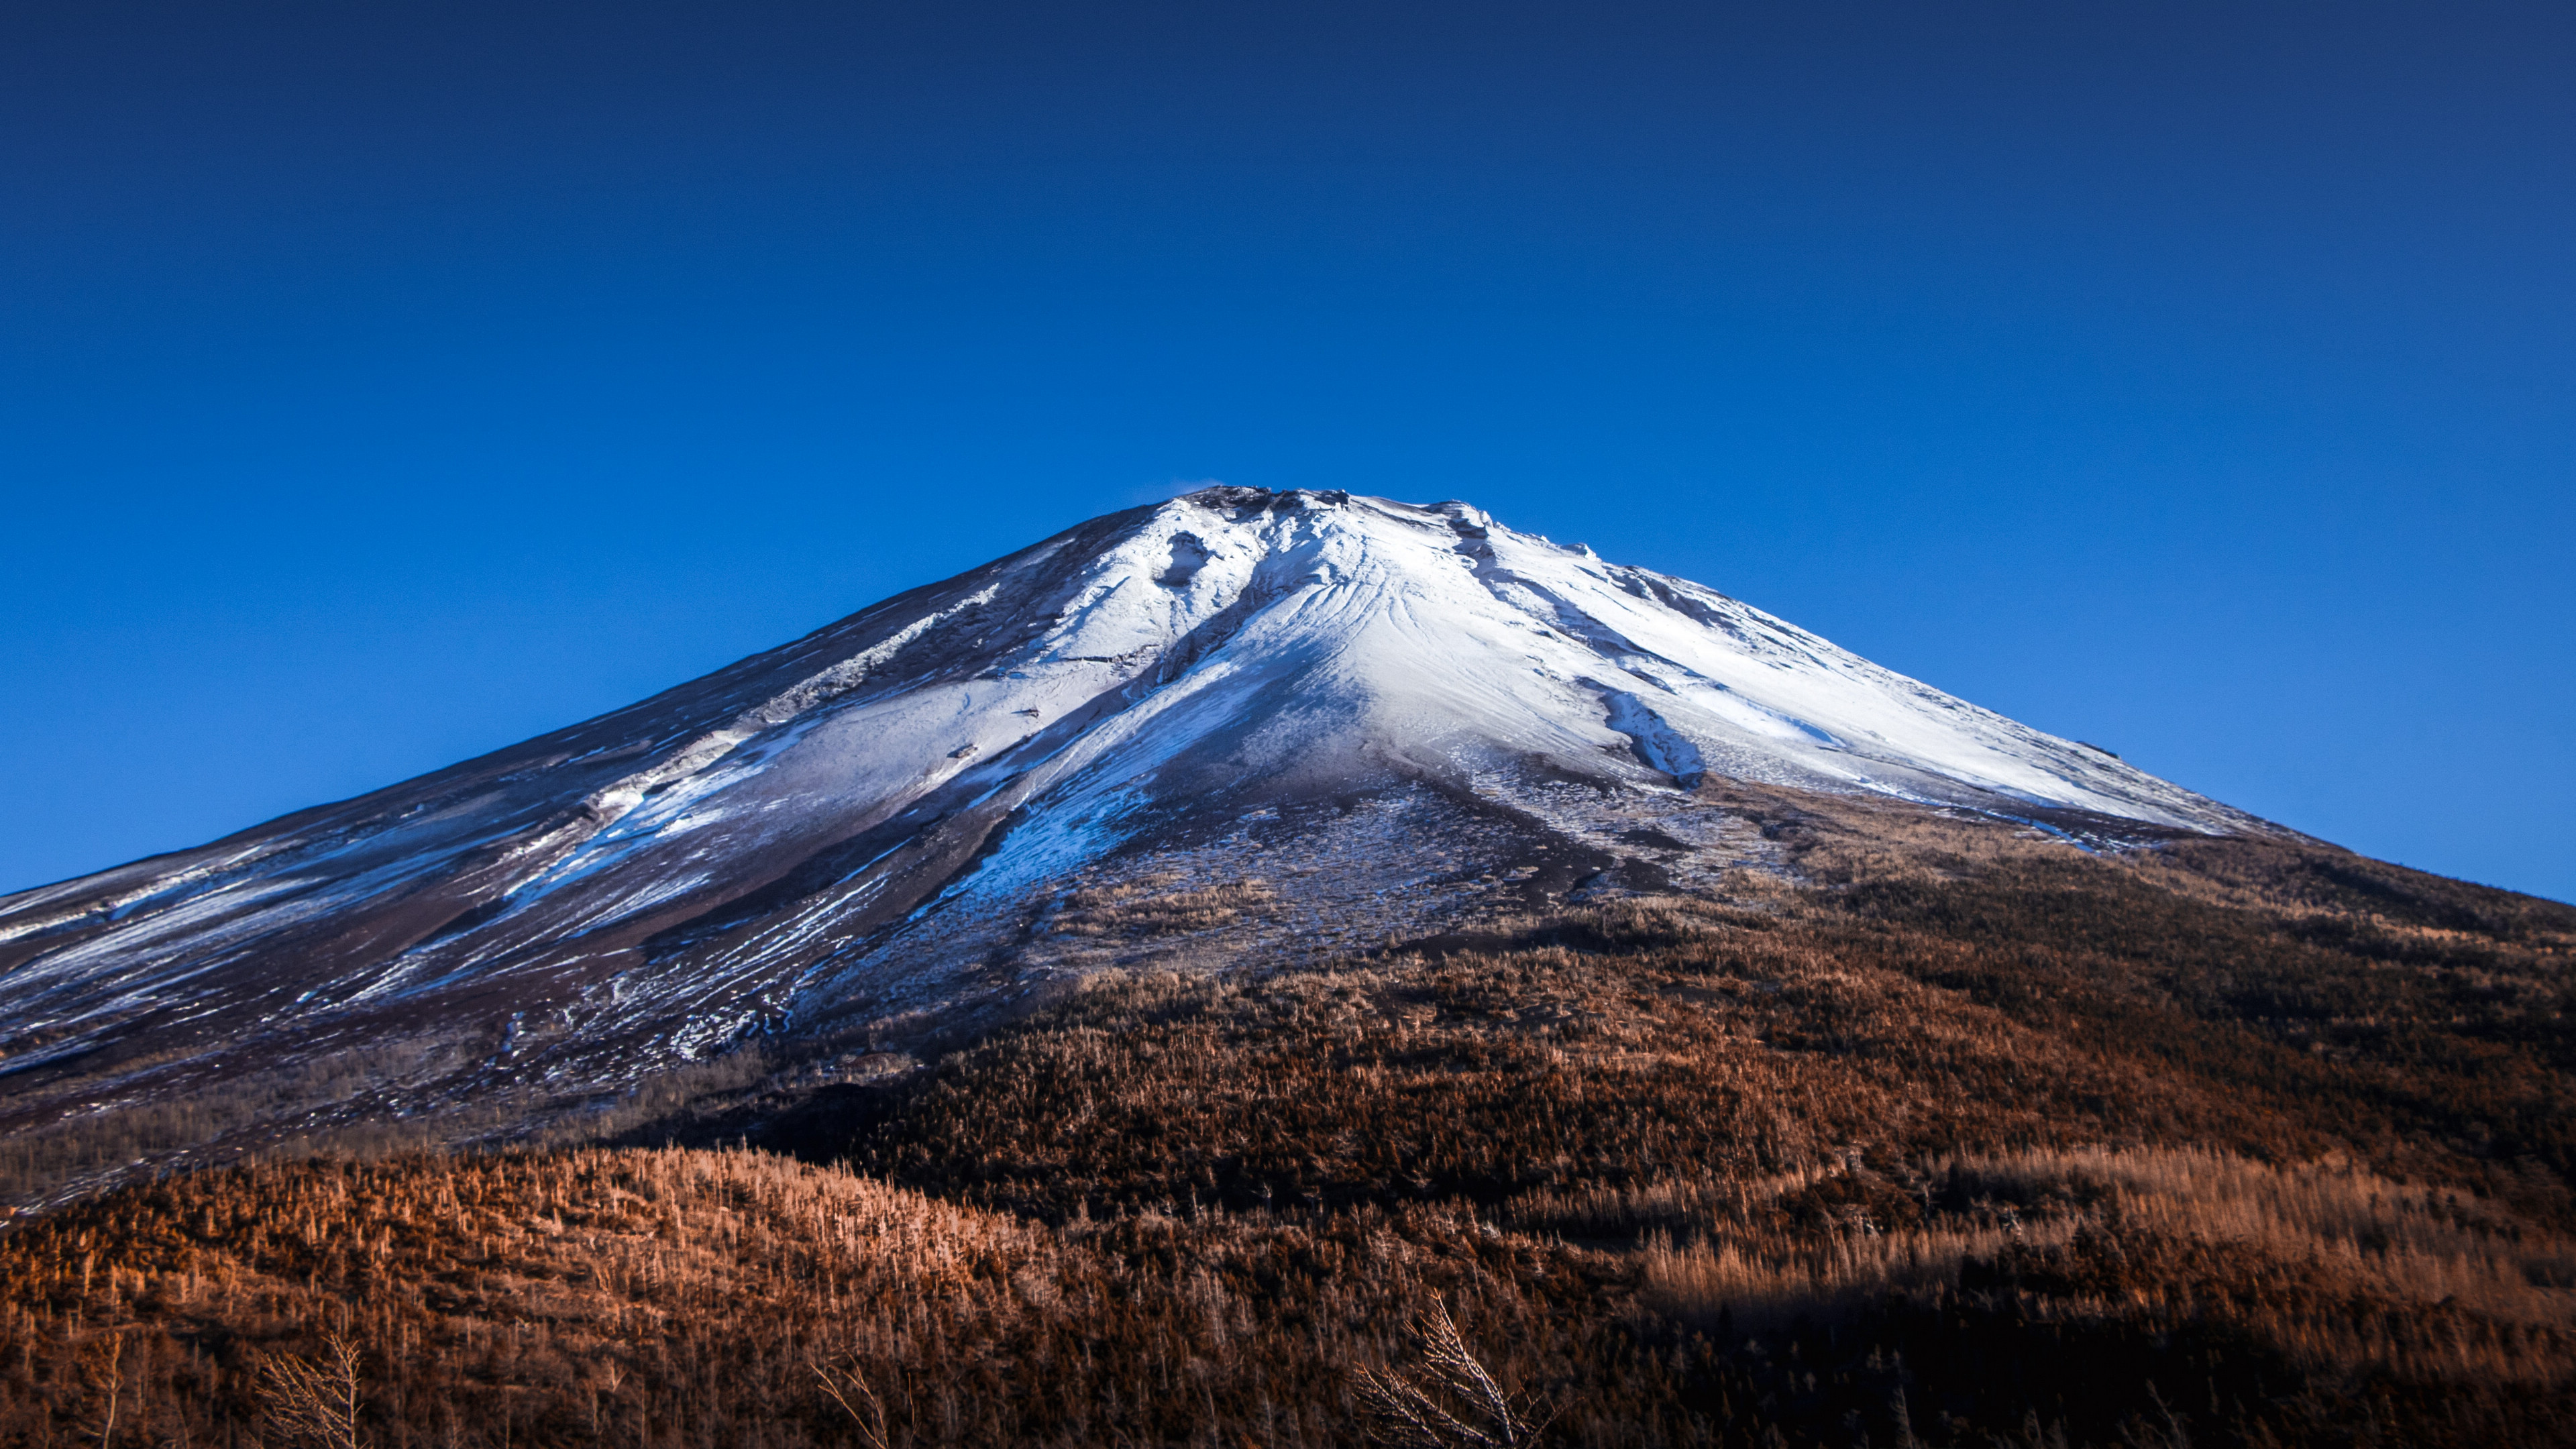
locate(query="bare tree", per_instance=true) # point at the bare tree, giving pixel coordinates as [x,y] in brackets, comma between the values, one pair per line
[315,1403]
[1451,1401]
[849,1389]
[107,1375]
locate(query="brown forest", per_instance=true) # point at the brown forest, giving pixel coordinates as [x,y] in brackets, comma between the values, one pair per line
[1969,1138]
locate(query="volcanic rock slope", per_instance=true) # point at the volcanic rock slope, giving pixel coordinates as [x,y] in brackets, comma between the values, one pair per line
[1235,722]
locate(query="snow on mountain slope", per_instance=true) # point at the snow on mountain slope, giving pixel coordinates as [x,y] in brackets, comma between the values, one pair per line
[805,828]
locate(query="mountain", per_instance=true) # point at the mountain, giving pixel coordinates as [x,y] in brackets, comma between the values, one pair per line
[1288,970]
[1403,712]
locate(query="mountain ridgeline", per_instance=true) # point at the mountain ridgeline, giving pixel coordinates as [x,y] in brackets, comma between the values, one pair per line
[1287,969]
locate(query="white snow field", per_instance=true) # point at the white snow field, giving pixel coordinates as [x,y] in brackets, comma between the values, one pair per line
[1396,701]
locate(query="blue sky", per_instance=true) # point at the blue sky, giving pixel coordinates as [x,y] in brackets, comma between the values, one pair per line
[383,384]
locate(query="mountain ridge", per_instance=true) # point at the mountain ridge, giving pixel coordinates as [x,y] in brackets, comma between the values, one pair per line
[1190,980]
[1424,711]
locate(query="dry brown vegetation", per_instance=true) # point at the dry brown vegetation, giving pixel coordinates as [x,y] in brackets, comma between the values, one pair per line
[1147,907]
[717,1297]
[1975,1140]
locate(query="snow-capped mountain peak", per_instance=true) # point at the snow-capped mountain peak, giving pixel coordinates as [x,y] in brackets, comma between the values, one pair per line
[846,823]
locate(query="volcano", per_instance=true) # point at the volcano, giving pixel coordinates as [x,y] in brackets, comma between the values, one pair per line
[1192,979]
[1236,723]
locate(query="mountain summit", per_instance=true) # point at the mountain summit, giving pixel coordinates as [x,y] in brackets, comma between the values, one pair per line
[1308,717]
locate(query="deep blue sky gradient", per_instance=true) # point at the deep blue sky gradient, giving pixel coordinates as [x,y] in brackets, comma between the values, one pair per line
[381,384]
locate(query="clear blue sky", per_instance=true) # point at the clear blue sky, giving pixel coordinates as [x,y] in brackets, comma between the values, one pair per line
[384,383]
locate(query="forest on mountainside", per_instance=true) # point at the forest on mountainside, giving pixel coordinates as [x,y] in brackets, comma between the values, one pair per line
[1966,1138]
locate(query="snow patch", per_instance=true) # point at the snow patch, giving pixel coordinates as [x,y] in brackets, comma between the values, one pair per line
[1657,745]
